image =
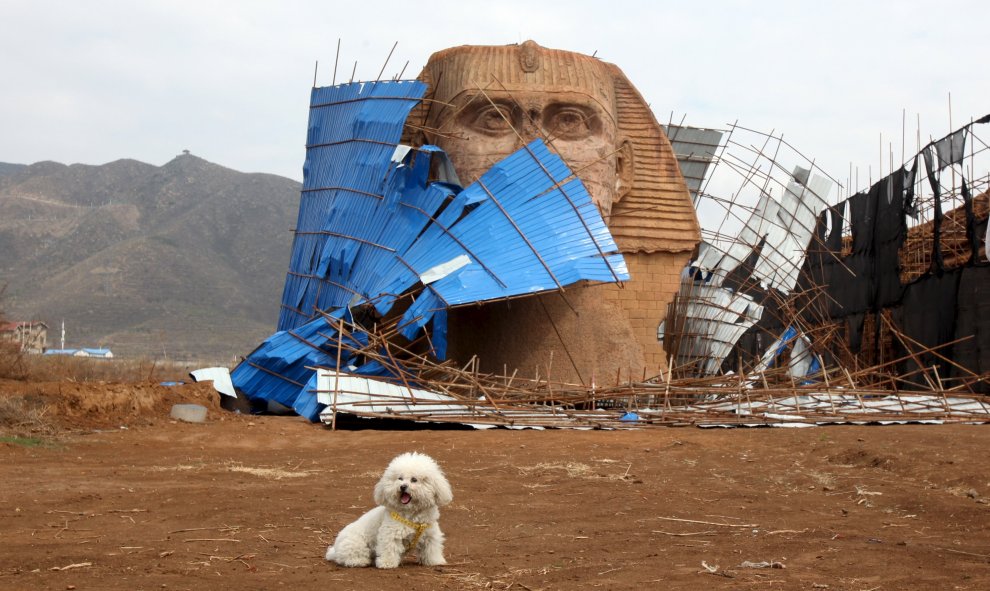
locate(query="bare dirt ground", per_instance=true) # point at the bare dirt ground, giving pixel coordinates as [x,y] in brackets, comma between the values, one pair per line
[124,498]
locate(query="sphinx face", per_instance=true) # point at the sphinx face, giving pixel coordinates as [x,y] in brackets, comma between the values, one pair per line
[479,128]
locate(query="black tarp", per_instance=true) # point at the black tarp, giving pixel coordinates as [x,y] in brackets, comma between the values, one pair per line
[971,236]
[928,316]
[833,265]
[937,308]
[853,285]
[973,321]
[890,231]
[933,179]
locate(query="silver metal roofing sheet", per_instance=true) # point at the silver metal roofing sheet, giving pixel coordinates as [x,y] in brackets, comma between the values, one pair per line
[695,149]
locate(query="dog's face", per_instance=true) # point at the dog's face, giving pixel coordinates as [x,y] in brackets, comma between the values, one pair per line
[411,482]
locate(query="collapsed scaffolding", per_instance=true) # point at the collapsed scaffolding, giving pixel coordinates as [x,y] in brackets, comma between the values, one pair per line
[387,242]
[813,285]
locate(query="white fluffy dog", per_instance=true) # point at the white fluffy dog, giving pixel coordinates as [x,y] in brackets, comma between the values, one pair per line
[409,495]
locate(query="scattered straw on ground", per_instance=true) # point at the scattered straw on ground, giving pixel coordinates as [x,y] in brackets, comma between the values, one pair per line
[271,473]
[572,469]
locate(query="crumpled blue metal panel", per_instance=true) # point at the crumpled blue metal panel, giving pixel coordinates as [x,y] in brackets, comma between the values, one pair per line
[523,233]
[371,228]
[281,367]
[353,131]
[277,369]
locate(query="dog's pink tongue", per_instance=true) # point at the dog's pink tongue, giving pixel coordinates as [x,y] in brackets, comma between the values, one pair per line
[405,498]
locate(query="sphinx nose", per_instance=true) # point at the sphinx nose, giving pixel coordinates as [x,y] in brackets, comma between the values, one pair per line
[531,125]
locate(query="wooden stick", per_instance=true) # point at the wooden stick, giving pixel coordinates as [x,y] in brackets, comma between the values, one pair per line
[750,525]
[71,566]
[337,374]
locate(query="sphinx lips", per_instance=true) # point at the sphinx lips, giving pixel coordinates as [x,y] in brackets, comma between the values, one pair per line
[405,498]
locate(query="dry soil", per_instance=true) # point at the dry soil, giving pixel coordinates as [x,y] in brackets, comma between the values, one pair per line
[124,498]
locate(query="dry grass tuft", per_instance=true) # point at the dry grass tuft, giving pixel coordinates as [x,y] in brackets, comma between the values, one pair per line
[177,468]
[12,361]
[270,473]
[500,582]
[266,473]
[61,368]
[11,358]
[572,469]
[20,417]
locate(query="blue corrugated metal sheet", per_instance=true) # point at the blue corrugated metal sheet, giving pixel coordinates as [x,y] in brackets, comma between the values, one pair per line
[61,351]
[353,131]
[371,227]
[280,369]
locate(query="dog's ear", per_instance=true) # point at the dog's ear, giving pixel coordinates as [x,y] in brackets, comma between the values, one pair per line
[380,493]
[441,490]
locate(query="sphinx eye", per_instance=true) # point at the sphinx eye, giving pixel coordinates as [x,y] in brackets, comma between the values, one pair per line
[569,123]
[491,119]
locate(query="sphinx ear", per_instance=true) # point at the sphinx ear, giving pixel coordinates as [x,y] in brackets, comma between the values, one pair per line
[625,170]
[413,134]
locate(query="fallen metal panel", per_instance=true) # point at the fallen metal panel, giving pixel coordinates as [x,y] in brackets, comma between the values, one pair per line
[220,376]
[790,226]
[695,149]
[372,228]
[786,226]
[369,398]
[714,319]
[348,393]
[352,135]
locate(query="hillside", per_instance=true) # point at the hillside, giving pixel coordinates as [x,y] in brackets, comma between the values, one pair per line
[186,259]
[6,168]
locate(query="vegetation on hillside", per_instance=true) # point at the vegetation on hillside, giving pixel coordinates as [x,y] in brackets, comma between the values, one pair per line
[11,358]
[181,261]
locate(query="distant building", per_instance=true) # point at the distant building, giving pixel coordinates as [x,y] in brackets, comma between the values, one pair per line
[97,353]
[69,352]
[31,336]
[84,352]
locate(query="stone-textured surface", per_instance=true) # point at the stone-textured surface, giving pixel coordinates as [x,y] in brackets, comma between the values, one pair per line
[485,101]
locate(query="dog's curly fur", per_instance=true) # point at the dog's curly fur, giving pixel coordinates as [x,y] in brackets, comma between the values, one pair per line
[414,487]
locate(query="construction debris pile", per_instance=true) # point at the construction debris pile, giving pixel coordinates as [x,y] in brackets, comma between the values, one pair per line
[743,300]
[385,244]
[793,313]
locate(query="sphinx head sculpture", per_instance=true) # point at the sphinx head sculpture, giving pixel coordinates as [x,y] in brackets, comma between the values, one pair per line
[490,101]
[486,102]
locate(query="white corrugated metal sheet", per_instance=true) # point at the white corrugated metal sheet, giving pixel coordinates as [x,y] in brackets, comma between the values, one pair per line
[695,149]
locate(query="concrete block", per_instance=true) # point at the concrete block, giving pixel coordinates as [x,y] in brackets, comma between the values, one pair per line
[190,413]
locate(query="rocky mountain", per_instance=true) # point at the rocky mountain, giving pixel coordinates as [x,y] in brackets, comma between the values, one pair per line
[7,168]
[185,260]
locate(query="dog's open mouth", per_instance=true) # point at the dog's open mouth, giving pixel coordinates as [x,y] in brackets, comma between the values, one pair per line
[404,498]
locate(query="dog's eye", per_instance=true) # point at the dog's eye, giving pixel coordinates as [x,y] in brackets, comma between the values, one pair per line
[413,479]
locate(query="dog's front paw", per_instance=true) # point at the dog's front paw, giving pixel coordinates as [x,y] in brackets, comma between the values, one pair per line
[387,561]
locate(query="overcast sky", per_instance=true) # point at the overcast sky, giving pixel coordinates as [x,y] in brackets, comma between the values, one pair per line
[98,80]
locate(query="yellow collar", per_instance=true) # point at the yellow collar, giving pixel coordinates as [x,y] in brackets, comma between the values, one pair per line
[418,527]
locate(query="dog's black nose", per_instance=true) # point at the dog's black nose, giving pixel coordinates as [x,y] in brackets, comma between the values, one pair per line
[403,488]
